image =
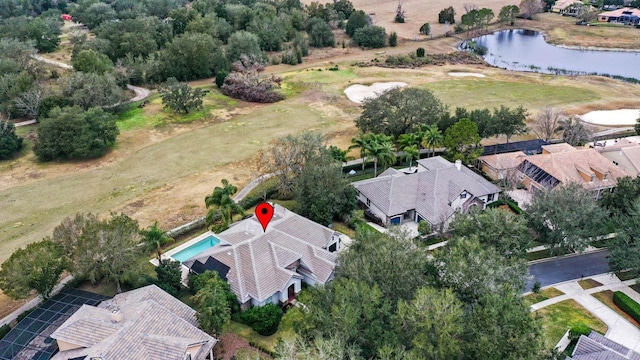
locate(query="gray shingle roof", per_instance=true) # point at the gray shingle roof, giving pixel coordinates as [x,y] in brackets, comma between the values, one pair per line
[429,191]
[598,347]
[258,259]
[148,328]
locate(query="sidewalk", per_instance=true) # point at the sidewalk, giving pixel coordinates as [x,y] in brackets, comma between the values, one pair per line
[620,330]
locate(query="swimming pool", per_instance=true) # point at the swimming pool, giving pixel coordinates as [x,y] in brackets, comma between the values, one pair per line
[195,249]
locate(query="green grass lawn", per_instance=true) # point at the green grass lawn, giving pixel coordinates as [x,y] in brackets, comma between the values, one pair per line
[481,93]
[285,331]
[543,295]
[558,318]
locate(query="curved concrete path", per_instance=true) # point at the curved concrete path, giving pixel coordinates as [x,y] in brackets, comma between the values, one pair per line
[620,329]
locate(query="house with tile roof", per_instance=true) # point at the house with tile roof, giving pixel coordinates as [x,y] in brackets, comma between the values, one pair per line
[501,166]
[270,266]
[145,323]
[598,347]
[562,163]
[623,153]
[629,16]
[433,193]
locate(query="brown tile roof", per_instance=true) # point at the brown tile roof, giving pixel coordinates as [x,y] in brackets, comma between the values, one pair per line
[429,191]
[258,260]
[567,167]
[557,148]
[620,12]
[140,324]
[504,161]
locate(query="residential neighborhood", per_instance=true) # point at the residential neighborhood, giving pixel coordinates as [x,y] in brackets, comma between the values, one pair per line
[304,180]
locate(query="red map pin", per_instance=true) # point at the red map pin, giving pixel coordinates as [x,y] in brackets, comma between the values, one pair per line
[264,213]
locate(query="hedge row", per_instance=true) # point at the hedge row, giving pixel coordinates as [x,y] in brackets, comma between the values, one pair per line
[253,200]
[512,205]
[627,304]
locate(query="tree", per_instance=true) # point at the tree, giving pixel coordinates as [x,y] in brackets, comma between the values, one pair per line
[221,202]
[246,83]
[500,229]
[10,143]
[474,271]
[380,149]
[212,307]
[88,90]
[458,140]
[547,123]
[169,275]
[96,14]
[322,194]
[37,267]
[509,122]
[29,102]
[566,217]
[432,138]
[425,29]
[374,259]
[78,237]
[485,15]
[623,197]
[180,18]
[393,39]
[399,13]
[45,32]
[624,247]
[574,132]
[357,20]
[154,239]
[432,323]
[91,61]
[338,154]
[286,157]
[243,43]
[470,19]
[501,326]
[180,97]
[71,133]
[319,348]
[192,56]
[321,35]
[370,37]
[411,152]
[447,16]
[399,111]
[361,142]
[528,8]
[587,13]
[271,31]
[118,240]
[508,13]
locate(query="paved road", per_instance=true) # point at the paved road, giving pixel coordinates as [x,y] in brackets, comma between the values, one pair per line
[568,268]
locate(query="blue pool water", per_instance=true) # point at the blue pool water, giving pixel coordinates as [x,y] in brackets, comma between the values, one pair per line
[195,249]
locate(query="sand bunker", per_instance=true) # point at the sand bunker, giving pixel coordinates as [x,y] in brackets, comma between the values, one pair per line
[622,117]
[357,93]
[463,74]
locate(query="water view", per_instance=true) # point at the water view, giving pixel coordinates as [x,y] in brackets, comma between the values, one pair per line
[527,50]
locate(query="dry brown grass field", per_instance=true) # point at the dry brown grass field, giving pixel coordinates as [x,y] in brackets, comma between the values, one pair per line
[417,12]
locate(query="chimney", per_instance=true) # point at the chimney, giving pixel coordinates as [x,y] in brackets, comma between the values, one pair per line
[458,164]
[116,316]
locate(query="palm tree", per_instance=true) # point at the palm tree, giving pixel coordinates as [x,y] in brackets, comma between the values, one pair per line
[220,201]
[410,153]
[432,138]
[380,149]
[409,139]
[154,238]
[361,143]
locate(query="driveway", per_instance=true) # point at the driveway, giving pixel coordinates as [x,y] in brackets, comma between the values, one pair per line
[568,268]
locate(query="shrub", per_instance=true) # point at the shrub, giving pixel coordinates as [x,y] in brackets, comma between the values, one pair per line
[425,29]
[246,83]
[357,20]
[627,304]
[447,16]
[424,228]
[576,331]
[4,330]
[393,39]
[220,76]
[420,52]
[24,315]
[10,143]
[536,287]
[263,319]
[458,29]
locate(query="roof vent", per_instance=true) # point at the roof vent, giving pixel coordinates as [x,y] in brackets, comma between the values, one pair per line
[116,316]
[458,164]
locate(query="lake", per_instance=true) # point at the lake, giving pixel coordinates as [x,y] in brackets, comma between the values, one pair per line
[527,50]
